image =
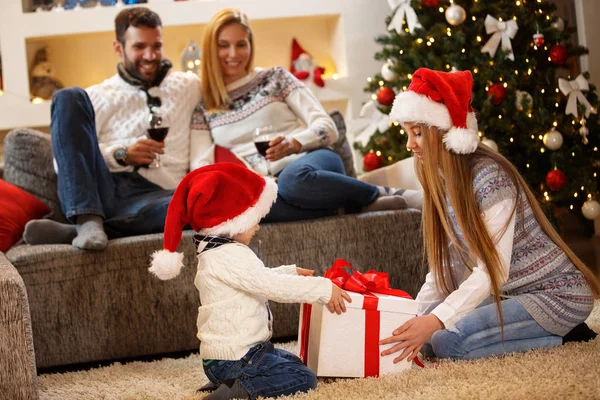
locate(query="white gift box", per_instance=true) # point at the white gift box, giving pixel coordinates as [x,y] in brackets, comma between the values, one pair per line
[347,345]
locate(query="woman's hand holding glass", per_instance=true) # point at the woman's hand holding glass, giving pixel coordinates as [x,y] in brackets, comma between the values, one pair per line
[281,147]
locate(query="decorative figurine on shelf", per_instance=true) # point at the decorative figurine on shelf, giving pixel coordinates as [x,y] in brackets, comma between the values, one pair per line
[303,65]
[41,5]
[190,58]
[43,81]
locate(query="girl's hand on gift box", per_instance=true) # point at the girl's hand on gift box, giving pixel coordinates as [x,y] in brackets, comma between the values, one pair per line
[411,336]
[304,271]
[336,303]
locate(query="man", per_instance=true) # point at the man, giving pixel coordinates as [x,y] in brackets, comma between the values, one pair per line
[107,184]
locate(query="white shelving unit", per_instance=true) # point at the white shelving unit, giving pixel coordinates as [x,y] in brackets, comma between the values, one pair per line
[347,45]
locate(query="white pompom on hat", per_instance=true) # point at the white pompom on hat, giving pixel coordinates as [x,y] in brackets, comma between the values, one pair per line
[218,199]
[443,100]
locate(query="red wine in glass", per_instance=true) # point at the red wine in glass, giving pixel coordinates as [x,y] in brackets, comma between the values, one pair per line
[158,134]
[262,146]
[158,127]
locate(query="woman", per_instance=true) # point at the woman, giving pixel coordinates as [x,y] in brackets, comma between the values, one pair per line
[238,98]
[526,288]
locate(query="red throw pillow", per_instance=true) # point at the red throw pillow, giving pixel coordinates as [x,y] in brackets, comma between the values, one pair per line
[223,154]
[17,207]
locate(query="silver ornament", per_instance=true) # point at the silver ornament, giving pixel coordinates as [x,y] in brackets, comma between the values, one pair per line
[591,209]
[490,143]
[521,96]
[388,73]
[553,139]
[455,15]
[559,24]
[584,131]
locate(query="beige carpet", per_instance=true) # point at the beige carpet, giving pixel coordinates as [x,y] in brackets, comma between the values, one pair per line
[568,372]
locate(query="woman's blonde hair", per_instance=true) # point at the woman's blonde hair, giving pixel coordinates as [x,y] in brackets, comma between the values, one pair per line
[214,93]
[456,183]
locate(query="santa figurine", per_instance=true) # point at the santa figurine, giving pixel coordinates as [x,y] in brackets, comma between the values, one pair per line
[303,66]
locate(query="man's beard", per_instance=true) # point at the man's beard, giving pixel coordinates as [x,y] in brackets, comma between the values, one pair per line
[131,69]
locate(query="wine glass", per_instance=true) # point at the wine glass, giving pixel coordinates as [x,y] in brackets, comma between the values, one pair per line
[262,137]
[158,127]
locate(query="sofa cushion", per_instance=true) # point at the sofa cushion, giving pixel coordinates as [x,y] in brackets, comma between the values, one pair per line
[28,165]
[17,207]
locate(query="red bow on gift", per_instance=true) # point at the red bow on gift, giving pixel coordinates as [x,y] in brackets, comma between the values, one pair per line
[371,281]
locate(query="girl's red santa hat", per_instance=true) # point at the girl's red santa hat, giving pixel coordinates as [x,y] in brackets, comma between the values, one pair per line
[443,100]
[219,199]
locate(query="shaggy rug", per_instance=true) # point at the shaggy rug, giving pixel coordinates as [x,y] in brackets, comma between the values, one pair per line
[567,372]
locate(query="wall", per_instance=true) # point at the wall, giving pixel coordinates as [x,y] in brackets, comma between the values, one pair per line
[587,12]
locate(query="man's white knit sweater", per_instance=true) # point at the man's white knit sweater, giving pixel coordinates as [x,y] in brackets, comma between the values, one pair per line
[235,287]
[122,118]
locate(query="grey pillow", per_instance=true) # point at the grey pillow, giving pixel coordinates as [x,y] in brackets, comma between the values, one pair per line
[28,165]
[342,146]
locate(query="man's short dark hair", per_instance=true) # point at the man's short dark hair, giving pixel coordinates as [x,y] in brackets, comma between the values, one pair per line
[137,17]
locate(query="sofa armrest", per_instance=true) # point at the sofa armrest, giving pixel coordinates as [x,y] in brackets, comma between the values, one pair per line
[398,175]
[18,375]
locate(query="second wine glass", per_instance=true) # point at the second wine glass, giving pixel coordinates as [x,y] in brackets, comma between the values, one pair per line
[262,137]
[158,127]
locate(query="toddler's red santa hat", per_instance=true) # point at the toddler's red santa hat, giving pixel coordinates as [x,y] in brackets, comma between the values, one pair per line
[218,199]
[441,99]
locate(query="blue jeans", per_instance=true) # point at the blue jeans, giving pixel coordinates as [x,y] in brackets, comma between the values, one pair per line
[264,371]
[316,185]
[129,203]
[478,335]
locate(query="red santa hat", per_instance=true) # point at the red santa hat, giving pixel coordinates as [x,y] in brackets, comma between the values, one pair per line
[443,100]
[218,199]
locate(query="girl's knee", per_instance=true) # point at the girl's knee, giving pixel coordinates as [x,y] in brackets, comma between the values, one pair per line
[447,344]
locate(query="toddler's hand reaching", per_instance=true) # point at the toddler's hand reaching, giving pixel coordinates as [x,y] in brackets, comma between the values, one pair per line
[336,303]
[304,272]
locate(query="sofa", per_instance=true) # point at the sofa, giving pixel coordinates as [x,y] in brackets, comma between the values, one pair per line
[62,306]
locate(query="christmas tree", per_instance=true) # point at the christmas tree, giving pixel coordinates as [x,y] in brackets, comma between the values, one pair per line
[528,104]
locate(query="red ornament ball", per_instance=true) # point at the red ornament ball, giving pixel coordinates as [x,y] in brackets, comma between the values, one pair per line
[538,39]
[385,96]
[558,54]
[498,93]
[372,161]
[556,179]
[430,3]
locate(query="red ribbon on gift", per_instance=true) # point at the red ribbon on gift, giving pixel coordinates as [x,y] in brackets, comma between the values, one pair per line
[366,284]
[371,281]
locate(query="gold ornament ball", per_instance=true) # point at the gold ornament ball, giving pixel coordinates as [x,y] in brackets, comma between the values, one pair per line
[591,209]
[455,15]
[553,140]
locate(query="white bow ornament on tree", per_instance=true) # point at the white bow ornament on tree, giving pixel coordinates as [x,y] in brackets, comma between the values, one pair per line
[502,32]
[378,121]
[574,91]
[403,9]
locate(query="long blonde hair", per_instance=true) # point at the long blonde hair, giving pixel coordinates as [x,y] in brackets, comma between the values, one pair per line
[444,174]
[214,93]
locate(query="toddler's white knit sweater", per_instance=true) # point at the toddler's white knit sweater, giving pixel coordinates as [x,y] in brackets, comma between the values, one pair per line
[122,118]
[235,287]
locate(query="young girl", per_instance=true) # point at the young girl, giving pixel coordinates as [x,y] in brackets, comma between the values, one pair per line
[501,279]
[238,98]
[224,203]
